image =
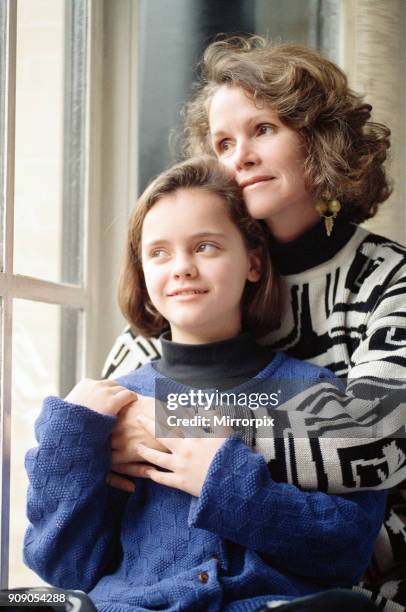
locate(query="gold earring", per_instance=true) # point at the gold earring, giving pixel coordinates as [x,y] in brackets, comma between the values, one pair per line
[328,210]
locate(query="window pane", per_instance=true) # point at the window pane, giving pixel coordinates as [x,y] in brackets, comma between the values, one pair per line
[38,332]
[39,133]
[3,72]
[50,139]
[288,21]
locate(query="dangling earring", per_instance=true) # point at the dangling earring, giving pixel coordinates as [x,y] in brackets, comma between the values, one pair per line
[328,209]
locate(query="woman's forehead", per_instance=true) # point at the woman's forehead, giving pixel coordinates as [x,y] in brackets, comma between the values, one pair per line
[233,104]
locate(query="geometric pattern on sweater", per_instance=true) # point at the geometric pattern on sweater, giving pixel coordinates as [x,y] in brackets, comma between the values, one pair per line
[347,314]
[352,319]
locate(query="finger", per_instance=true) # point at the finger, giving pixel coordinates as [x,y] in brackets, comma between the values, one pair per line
[124,456]
[123,397]
[105,382]
[158,458]
[149,425]
[129,469]
[126,412]
[146,471]
[119,482]
[122,438]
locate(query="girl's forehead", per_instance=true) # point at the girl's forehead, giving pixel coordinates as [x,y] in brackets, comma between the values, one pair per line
[184,212]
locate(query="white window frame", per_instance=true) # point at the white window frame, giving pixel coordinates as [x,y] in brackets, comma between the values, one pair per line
[13,286]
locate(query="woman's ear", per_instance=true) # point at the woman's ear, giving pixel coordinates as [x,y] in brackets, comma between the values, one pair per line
[255,263]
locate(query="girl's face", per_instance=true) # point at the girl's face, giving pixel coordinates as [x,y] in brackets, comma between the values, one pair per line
[196,266]
[267,159]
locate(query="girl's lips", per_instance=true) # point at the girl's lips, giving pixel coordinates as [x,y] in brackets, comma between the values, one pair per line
[179,293]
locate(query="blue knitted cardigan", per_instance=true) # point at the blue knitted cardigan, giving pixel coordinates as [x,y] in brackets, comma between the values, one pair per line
[244,541]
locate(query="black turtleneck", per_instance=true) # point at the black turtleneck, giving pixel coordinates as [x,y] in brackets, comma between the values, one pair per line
[312,248]
[223,364]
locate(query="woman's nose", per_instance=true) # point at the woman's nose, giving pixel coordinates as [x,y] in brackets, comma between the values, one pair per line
[245,155]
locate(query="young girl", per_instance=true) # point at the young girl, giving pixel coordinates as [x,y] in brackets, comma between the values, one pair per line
[208,529]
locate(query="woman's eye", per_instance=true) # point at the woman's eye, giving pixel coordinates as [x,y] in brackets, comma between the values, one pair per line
[265,128]
[206,247]
[224,146]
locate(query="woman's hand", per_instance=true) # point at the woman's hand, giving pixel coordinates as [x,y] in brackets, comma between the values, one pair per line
[103,396]
[126,436]
[187,459]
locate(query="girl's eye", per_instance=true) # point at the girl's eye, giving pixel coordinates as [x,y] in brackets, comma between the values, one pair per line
[265,129]
[206,247]
[158,253]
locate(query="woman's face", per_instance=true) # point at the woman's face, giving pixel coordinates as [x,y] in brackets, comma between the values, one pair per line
[267,159]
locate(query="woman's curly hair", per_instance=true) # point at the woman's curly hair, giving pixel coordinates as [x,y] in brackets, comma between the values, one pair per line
[345,150]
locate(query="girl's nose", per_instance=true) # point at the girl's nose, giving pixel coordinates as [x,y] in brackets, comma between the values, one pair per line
[184,267]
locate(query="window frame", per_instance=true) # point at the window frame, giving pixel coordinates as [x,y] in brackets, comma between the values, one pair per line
[16,286]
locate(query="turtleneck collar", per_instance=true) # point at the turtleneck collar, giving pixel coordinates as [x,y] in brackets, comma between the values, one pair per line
[215,363]
[311,249]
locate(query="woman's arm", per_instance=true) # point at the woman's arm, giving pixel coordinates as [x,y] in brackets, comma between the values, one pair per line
[73,537]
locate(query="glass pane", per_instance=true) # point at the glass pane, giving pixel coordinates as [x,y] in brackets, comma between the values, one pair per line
[39,134]
[3,89]
[288,21]
[38,360]
[50,139]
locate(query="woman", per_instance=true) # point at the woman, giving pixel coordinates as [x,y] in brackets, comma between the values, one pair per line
[309,160]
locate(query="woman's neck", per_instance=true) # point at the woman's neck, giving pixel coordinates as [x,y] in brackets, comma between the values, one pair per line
[312,248]
[286,227]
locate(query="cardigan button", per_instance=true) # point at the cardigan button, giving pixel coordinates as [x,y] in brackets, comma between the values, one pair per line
[203,577]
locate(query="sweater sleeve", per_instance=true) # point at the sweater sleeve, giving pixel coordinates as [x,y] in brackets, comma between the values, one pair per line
[324,537]
[355,439]
[73,536]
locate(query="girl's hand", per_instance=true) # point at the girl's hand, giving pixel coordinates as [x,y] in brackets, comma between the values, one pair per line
[127,433]
[187,459]
[103,396]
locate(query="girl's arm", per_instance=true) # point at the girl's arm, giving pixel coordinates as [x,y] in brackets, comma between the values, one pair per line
[324,537]
[73,536]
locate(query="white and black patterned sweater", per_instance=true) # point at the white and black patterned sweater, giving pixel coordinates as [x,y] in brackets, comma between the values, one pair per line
[344,308]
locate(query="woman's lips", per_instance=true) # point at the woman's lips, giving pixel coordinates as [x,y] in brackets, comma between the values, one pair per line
[256,181]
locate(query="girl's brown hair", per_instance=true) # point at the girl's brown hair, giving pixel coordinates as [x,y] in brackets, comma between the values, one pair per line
[259,300]
[345,150]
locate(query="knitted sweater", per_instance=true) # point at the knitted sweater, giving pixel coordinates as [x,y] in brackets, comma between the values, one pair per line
[245,540]
[344,307]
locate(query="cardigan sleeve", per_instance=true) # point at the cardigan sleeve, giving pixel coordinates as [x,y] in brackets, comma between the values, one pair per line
[73,536]
[312,534]
[357,439]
